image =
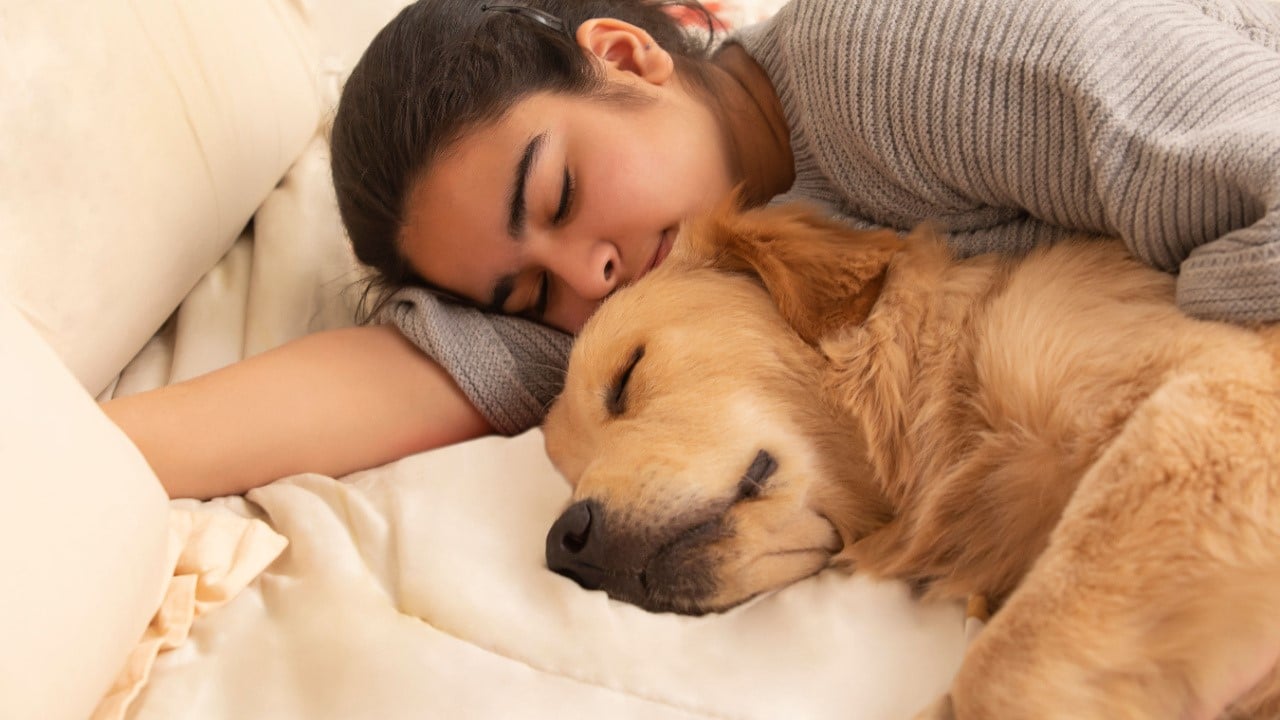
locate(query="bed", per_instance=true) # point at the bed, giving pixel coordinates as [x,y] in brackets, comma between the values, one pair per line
[176,216]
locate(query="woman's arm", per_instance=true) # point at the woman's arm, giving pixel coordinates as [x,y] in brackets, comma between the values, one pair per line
[1008,123]
[332,403]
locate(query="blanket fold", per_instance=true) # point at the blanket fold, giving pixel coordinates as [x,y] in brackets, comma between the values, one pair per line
[213,557]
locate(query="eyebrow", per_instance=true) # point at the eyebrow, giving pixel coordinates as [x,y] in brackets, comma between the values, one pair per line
[515,199]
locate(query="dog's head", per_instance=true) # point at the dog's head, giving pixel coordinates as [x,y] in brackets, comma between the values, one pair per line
[706,467]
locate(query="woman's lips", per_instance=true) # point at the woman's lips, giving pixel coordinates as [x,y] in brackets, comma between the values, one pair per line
[664,247]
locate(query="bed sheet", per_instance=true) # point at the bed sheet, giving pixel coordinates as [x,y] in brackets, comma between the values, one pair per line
[419,589]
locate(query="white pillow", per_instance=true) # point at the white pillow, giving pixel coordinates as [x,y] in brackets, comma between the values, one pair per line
[83,536]
[139,137]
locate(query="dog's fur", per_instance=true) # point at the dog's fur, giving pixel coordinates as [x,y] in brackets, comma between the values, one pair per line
[1048,431]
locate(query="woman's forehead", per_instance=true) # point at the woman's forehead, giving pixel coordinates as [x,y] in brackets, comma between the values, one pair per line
[484,165]
[453,215]
[457,216]
[485,157]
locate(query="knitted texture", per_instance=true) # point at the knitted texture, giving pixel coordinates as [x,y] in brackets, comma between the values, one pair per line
[1007,123]
[1013,122]
[509,368]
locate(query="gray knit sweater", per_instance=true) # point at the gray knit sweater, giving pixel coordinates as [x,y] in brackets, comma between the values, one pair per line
[1006,122]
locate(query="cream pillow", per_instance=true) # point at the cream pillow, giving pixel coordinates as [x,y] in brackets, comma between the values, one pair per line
[139,137]
[83,536]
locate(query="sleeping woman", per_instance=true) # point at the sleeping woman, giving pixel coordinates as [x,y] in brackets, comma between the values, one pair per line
[503,168]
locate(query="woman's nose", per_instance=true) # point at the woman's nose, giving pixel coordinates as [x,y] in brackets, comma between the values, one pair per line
[591,269]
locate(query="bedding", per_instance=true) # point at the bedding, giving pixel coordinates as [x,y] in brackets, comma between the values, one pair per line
[211,557]
[82,535]
[140,136]
[419,589]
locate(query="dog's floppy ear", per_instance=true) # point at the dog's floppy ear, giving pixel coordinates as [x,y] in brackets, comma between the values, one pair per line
[821,274]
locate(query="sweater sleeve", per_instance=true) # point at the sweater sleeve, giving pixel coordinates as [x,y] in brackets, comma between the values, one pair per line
[1010,123]
[1184,142]
[511,369]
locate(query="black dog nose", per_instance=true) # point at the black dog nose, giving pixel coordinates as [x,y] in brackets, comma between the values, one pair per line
[569,548]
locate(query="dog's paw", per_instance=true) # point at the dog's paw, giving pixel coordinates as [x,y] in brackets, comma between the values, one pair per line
[939,710]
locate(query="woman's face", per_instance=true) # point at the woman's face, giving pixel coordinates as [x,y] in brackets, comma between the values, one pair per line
[547,211]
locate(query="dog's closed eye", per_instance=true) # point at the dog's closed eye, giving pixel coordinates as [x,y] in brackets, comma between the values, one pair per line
[752,482]
[616,400]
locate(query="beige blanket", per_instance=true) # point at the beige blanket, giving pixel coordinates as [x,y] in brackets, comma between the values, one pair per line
[213,557]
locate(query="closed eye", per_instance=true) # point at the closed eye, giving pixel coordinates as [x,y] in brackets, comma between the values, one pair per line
[544,296]
[566,199]
[616,401]
[760,470]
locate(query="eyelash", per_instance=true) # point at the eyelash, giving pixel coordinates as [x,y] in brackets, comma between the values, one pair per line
[616,401]
[562,211]
[566,199]
[544,292]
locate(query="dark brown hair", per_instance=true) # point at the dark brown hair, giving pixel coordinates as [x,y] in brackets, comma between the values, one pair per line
[443,67]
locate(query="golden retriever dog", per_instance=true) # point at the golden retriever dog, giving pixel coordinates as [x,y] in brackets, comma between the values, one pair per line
[1049,432]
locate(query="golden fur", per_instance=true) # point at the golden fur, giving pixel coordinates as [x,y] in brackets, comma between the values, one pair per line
[1049,432]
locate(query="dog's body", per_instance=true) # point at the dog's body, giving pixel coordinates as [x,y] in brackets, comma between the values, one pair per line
[1049,432]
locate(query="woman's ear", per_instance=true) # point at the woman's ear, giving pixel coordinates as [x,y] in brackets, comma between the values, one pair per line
[821,274]
[627,48]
